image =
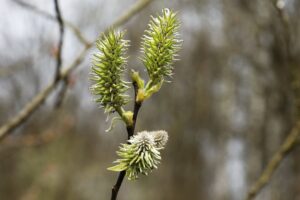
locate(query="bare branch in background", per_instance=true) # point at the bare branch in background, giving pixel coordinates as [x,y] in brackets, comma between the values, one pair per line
[291,140]
[62,93]
[133,10]
[59,55]
[283,151]
[34,104]
[33,8]
[30,107]
[71,26]
[61,39]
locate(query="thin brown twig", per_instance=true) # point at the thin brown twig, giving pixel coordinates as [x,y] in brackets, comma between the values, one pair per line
[61,39]
[48,16]
[130,132]
[59,56]
[287,146]
[34,104]
[31,106]
[133,10]
[62,93]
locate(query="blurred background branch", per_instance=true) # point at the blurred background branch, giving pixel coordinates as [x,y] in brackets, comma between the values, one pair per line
[63,90]
[34,104]
[291,141]
[74,29]
[30,107]
[61,40]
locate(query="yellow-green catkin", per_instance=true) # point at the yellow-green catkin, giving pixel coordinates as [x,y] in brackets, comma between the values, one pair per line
[107,71]
[160,46]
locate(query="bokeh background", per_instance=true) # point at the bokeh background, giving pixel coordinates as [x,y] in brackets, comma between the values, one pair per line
[232,101]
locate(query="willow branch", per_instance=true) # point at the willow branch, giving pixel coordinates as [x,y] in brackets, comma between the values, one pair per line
[34,104]
[283,151]
[59,55]
[131,12]
[61,39]
[130,132]
[61,94]
[30,107]
[117,186]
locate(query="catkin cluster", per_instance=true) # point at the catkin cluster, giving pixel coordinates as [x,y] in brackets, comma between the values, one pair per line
[159,47]
[142,153]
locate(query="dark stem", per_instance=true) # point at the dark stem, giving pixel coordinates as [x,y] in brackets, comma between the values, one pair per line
[130,132]
[63,90]
[61,37]
[117,186]
[62,93]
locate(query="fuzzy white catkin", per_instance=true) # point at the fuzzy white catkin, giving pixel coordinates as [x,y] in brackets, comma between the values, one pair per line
[142,137]
[160,138]
[142,154]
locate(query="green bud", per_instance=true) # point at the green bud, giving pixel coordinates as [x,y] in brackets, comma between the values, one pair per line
[160,46]
[128,117]
[141,155]
[107,71]
[153,89]
[135,76]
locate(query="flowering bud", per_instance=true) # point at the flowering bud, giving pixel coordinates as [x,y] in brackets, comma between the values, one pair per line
[141,155]
[160,46]
[107,70]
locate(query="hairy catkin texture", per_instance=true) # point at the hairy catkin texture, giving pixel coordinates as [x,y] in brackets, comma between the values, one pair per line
[142,153]
[107,71]
[160,138]
[160,46]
